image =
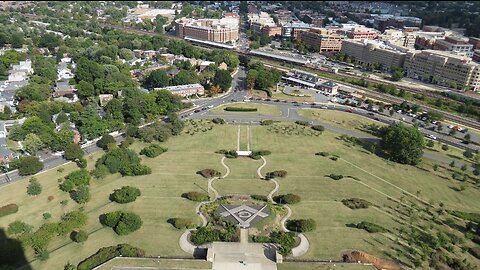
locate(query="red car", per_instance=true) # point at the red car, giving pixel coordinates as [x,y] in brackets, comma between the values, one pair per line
[350,110]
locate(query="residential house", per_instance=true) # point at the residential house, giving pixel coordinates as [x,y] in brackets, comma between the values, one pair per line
[5,153]
[104,99]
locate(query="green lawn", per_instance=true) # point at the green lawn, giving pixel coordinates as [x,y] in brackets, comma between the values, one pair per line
[344,120]
[282,96]
[322,266]
[159,263]
[174,172]
[262,109]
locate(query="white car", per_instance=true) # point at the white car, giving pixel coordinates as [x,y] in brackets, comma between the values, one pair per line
[433,137]
[210,106]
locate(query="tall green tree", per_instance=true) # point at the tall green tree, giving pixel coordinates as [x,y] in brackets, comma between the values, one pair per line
[402,144]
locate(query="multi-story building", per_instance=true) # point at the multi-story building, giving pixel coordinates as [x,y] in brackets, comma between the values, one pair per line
[456,45]
[260,20]
[382,22]
[272,31]
[398,38]
[291,29]
[426,40]
[322,39]
[362,33]
[373,52]
[221,30]
[283,15]
[476,56]
[475,42]
[443,68]
[185,90]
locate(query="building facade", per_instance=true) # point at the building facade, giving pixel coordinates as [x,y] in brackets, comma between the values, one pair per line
[216,30]
[370,52]
[185,90]
[443,68]
[362,33]
[456,45]
[322,40]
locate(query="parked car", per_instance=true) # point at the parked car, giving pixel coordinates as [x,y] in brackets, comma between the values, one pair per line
[433,137]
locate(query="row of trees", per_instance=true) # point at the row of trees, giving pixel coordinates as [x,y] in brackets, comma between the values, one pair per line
[261,78]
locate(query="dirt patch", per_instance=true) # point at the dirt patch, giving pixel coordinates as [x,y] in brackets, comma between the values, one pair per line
[355,256]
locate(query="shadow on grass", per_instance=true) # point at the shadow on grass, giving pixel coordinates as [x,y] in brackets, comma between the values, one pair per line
[12,254]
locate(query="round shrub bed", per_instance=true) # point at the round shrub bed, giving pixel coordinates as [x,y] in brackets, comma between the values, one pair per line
[209,173]
[301,225]
[196,196]
[287,199]
[355,203]
[181,223]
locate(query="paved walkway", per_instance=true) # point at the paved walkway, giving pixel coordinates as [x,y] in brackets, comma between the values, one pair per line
[303,246]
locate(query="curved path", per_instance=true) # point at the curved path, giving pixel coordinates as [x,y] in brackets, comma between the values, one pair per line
[186,245]
[303,246]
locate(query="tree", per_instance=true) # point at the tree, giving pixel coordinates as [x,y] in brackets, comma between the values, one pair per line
[34,92]
[430,143]
[85,89]
[73,152]
[125,194]
[80,236]
[223,79]
[402,144]
[32,143]
[185,77]
[125,53]
[467,137]
[157,78]
[61,118]
[27,165]
[81,195]
[69,266]
[397,74]
[468,153]
[214,90]
[105,141]
[34,188]
[123,223]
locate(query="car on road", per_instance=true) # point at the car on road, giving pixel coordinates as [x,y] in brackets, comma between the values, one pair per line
[204,108]
[433,137]
[190,114]
[277,100]
[350,110]
[267,99]
[371,113]
[210,106]
[197,110]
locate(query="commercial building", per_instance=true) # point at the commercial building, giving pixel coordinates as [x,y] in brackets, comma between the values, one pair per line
[443,68]
[263,23]
[476,56]
[283,15]
[426,40]
[475,42]
[329,87]
[398,38]
[301,78]
[382,22]
[221,30]
[456,45]
[185,90]
[374,52]
[362,33]
[291,29]
[322,39]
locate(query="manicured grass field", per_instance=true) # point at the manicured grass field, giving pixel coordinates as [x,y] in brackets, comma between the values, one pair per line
[321,266]
[282,96]
[344,120]
[159,263]
[262,109]
[174,172]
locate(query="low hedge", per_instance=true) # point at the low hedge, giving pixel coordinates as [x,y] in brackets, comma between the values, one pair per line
[318,128]
[301,225]
[280,173]
[259,197]
[228,153]
[209,173]
[323,154]
[287,199]
[153,150]
[286,240]
[371,227]
[219,121]
[240,109]
[266,122]
[181,223]
[8,209]
[335,176]
[355,203]
[259,154]
[196,196]
[107,253]
[302,123]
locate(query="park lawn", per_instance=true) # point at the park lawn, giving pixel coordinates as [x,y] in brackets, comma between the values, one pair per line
[174,173]
[452,152]
[344,120]
[262,109]
[243,178]
[159,263]
[323,266]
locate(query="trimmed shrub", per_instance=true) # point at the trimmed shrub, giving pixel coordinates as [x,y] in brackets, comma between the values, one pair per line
[153,150]
[209,173]
[81,163]
[125,194]
[100,172]
[287,199]
[127,142]
[18,227]
[47,215]
[229,233]
[34,188]
[318,128]
[105,141]
[335,176]
[323,154]
[123,223]
[301,225]
[117,159]
[218,121]
[8,209]
[355,203]
[444,147]
[280,173]
[258,154]
[80,236]
[286,240]
[259,197]
[196,196]
[371,227]
[73,151]
[240,109]
[181,223]
[302,123]
[107,253]
[231,154]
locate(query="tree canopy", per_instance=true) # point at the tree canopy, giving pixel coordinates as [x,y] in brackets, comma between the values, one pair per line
[402,144]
